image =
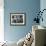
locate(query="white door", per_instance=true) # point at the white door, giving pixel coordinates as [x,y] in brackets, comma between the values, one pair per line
[1,21]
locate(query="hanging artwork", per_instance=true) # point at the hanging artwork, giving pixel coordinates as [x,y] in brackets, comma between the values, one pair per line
[17,18]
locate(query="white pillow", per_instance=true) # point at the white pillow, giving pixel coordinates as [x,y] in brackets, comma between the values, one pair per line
[21,42]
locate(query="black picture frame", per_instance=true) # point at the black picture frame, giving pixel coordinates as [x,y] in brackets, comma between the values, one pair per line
[17,19]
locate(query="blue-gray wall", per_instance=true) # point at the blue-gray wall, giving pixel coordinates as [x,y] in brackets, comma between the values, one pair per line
[30,7]
[43,6]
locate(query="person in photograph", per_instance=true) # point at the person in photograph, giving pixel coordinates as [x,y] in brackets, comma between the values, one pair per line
[13,19]
[20,19]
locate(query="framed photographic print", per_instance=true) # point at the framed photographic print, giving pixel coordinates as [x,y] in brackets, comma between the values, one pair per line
[17,18]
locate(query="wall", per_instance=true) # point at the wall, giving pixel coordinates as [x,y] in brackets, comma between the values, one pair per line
[43,6]
[30,7]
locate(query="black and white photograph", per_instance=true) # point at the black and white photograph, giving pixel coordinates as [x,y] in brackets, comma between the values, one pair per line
[17,18]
